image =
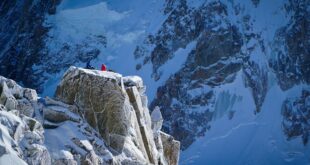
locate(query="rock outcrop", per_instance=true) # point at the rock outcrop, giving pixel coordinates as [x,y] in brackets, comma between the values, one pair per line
[296,117]
[171,148]
[22,138]
[96,118]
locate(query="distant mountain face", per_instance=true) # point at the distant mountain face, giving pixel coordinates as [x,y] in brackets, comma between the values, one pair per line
[22,39]
[201,56]
[230,37]
[25,40]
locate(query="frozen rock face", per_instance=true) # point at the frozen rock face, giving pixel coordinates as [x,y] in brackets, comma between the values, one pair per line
[22,137]
[21,39]
[296,117]
[117,111]
[103,100]
[214,61]
[157,120]
[227,40]
[95,119]
[171,148]
[292,42]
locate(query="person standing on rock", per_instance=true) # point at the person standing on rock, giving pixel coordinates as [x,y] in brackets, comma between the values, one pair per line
[103,67]
[88,66]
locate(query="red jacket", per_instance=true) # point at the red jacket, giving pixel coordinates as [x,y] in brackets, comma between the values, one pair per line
[103,67]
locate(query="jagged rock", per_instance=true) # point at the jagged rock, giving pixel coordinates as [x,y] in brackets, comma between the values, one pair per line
[296,117]
[32,143]
[171,148]
[30,94]
[58,114]
[144,123]
[6,97]
[111,107]
[107,122]
[102,99]
[26,138]
[257,80]
[50,101]
[64,158]
[51,114]
[25,133]
[115,111]
[25,107]
[133,81]
[91,157]
[14,88]
[291,58]
[3,150]
[33,125]
[157,120]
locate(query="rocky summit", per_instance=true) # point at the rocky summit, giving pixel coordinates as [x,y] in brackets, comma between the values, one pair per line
[96,117]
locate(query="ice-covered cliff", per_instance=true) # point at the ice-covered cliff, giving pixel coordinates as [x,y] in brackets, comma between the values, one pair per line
[96,118]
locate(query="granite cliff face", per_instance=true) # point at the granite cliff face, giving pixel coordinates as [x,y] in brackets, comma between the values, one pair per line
[96,118]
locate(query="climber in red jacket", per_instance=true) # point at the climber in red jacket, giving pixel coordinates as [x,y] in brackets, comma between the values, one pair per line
[103,67]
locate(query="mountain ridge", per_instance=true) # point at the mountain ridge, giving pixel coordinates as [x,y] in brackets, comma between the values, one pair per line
[103,123]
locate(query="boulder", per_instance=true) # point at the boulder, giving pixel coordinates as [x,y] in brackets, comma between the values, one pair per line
[30,94]
[64,158]
[133,81]
[157,120]
[15,89]
[58,114]
[6,97]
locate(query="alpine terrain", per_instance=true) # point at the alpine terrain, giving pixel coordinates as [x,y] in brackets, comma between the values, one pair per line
[230,78]
[96,118]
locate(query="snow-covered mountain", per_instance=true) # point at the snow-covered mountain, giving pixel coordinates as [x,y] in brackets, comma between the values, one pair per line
[231,76]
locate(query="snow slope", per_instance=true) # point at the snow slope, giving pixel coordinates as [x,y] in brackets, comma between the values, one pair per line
[7,152]
[248,138]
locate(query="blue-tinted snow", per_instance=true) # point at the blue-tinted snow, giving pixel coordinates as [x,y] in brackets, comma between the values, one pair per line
[248,138]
